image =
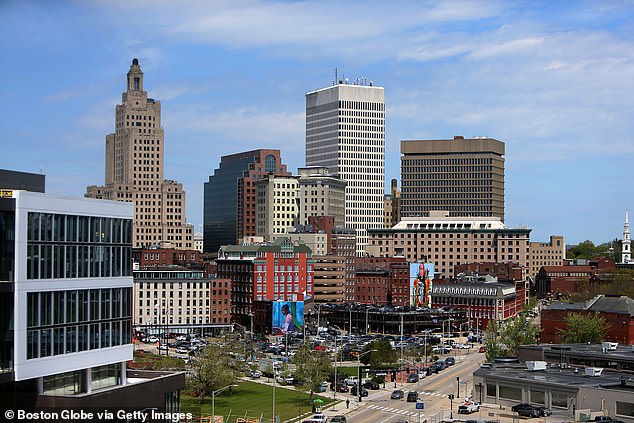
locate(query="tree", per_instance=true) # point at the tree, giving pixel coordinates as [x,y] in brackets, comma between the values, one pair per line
[519,331]
[584,328]
[505,340]
[384,354]
[311,368]
[212,369]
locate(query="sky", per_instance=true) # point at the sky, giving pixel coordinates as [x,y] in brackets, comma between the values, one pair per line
[553,80]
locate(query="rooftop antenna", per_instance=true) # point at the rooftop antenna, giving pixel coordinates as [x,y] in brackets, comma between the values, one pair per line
[336,78]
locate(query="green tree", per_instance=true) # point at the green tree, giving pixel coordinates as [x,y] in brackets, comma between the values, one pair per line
[584,328]
[212,369]
[311,368]
[384,354]
[505,340]
[516,332]
[492,341]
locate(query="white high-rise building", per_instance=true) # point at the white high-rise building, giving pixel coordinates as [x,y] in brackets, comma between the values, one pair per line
[345,131]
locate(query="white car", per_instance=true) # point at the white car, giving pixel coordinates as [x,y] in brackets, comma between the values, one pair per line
[317,418]
[182,350]
[152,339]
[351,380]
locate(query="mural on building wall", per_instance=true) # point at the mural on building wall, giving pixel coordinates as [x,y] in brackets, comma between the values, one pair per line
[288,316]
[421,276]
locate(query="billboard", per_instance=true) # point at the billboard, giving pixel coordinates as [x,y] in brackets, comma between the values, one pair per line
[421,276]
[288,316]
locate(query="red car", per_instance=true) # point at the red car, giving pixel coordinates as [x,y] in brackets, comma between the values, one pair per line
[482,350]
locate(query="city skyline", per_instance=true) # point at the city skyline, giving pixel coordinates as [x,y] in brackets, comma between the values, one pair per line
[549,80]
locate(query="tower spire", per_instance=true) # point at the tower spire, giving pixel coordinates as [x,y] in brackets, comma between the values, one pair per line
[626,253]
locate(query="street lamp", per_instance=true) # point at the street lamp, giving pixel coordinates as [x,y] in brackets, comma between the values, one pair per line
[359,387]
[213,400]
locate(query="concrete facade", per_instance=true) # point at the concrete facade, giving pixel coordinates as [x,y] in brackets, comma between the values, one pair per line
[462,176]
[345,132]
[276,205]
[321,194]
[550,253]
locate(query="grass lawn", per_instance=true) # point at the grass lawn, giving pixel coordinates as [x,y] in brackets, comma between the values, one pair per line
[253,400]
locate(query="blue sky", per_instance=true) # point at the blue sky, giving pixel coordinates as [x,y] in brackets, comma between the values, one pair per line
[553,80]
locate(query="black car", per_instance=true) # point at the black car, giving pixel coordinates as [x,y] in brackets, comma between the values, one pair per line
[412,396]
[398,394]
[371,385]
[364,392]
[338,419]
[450,361]
[412,378]
[529,410]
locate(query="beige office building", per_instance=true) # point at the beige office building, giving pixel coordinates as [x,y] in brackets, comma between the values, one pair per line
[448,241]
[321,194]
[276,205]
[462,176]
[134,171]
[550,253]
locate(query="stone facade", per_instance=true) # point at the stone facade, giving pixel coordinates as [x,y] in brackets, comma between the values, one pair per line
[135,155]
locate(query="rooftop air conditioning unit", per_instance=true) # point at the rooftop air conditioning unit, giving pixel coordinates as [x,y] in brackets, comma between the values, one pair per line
[534,366]
[594,371]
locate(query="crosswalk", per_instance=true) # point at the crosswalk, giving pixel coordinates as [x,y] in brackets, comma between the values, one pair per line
[395,411]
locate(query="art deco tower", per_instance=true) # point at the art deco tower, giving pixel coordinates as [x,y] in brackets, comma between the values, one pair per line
[345,132]
[135,155]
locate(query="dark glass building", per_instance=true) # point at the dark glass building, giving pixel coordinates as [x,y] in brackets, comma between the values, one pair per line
[229,196]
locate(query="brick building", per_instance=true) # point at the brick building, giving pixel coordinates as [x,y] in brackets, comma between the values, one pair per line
[448,241]
[146,258]
[482,301]
[618,311]
[382,281]
[552,253]
[277,271]
[180,301]
[557,281]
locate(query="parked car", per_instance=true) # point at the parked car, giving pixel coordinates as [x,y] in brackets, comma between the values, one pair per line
[529,410]
[371,385]
[351,380]
[255,374]
[398,394]
[412,396]
[468,407]
[606,419]
[412,378]
[482,350]
[317,418]
[338,419]
[364,392]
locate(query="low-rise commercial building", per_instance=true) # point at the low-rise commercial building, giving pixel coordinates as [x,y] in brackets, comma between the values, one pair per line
[576,381]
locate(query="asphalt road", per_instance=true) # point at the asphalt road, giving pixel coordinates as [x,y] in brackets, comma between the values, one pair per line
[432,390]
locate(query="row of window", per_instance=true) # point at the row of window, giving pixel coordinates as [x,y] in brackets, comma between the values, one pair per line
[47,227]
[75,338]
[53,308]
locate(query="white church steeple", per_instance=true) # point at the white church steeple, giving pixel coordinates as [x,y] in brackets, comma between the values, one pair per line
[626,254]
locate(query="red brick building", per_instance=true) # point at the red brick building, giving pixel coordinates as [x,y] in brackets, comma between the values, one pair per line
[382,281]
[504,271]
[618,311]
[341,242]
[559,281]
[277,271]
[482,301]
